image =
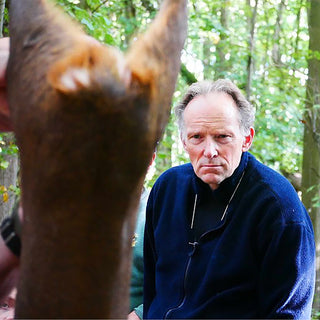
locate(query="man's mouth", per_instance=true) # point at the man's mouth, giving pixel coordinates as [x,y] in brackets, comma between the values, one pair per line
[211,165]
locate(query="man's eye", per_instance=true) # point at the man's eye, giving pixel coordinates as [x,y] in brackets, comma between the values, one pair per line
[223,138]
[195,138]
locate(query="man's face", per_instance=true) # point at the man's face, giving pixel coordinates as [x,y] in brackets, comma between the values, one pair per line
[212,137]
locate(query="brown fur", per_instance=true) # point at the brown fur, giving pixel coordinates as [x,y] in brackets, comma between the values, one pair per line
[84,151]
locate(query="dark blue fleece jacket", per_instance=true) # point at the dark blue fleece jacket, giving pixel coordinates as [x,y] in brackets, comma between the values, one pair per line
[257,262]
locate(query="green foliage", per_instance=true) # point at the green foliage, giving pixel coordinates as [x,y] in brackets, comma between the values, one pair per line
[6,148]
[315,315]
[218,46]
[7,192]
[316,197]
[110,22]
[94,19]
[278,87]
[6,24]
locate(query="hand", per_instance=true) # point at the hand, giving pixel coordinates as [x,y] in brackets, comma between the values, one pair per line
[133,316]
[5,124]
[9,271]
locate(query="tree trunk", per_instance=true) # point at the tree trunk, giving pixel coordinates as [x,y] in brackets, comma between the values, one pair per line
[221,48]
[163,159]
[250,64]
[311,154]
[267,46]
[296,47]
[130,15]
[83,4]
[206,61]
[85,145]
[276,55]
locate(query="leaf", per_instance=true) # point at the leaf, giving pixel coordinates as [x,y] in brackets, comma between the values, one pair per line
[4,164]
[88,24]
[5,197]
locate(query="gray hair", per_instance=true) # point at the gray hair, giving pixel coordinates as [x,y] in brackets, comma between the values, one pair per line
[246,110]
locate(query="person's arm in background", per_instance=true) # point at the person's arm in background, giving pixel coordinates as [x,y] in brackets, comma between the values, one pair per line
[5,124]
[9,262]
[149,289]
[136,287]
[10,247]
[9,270]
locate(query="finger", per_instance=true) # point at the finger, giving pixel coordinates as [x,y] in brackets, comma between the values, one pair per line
[4,55]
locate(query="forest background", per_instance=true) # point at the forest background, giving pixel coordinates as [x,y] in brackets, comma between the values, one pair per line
[269,48]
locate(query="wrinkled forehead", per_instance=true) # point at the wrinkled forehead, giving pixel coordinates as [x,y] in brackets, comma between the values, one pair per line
[216,109]
[212,106]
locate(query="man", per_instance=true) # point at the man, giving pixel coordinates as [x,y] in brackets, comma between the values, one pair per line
[226,237]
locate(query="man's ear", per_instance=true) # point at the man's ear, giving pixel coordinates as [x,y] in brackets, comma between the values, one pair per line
[248,140]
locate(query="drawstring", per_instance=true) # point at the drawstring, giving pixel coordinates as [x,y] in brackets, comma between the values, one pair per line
[225,210]
[194,210]
[234,192]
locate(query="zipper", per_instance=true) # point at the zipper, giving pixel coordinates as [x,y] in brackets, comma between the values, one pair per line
[195,243]
[194,247]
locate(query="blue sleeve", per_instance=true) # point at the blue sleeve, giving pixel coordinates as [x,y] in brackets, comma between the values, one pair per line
[287,277]
[149,259]
[136,287]
[139,311]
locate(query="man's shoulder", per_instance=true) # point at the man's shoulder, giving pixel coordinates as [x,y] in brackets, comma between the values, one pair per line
[269,179]
[184,171]
[172,184]
[274,192]
[176,178]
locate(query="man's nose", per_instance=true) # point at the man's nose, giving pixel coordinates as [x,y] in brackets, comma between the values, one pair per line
[210,150]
